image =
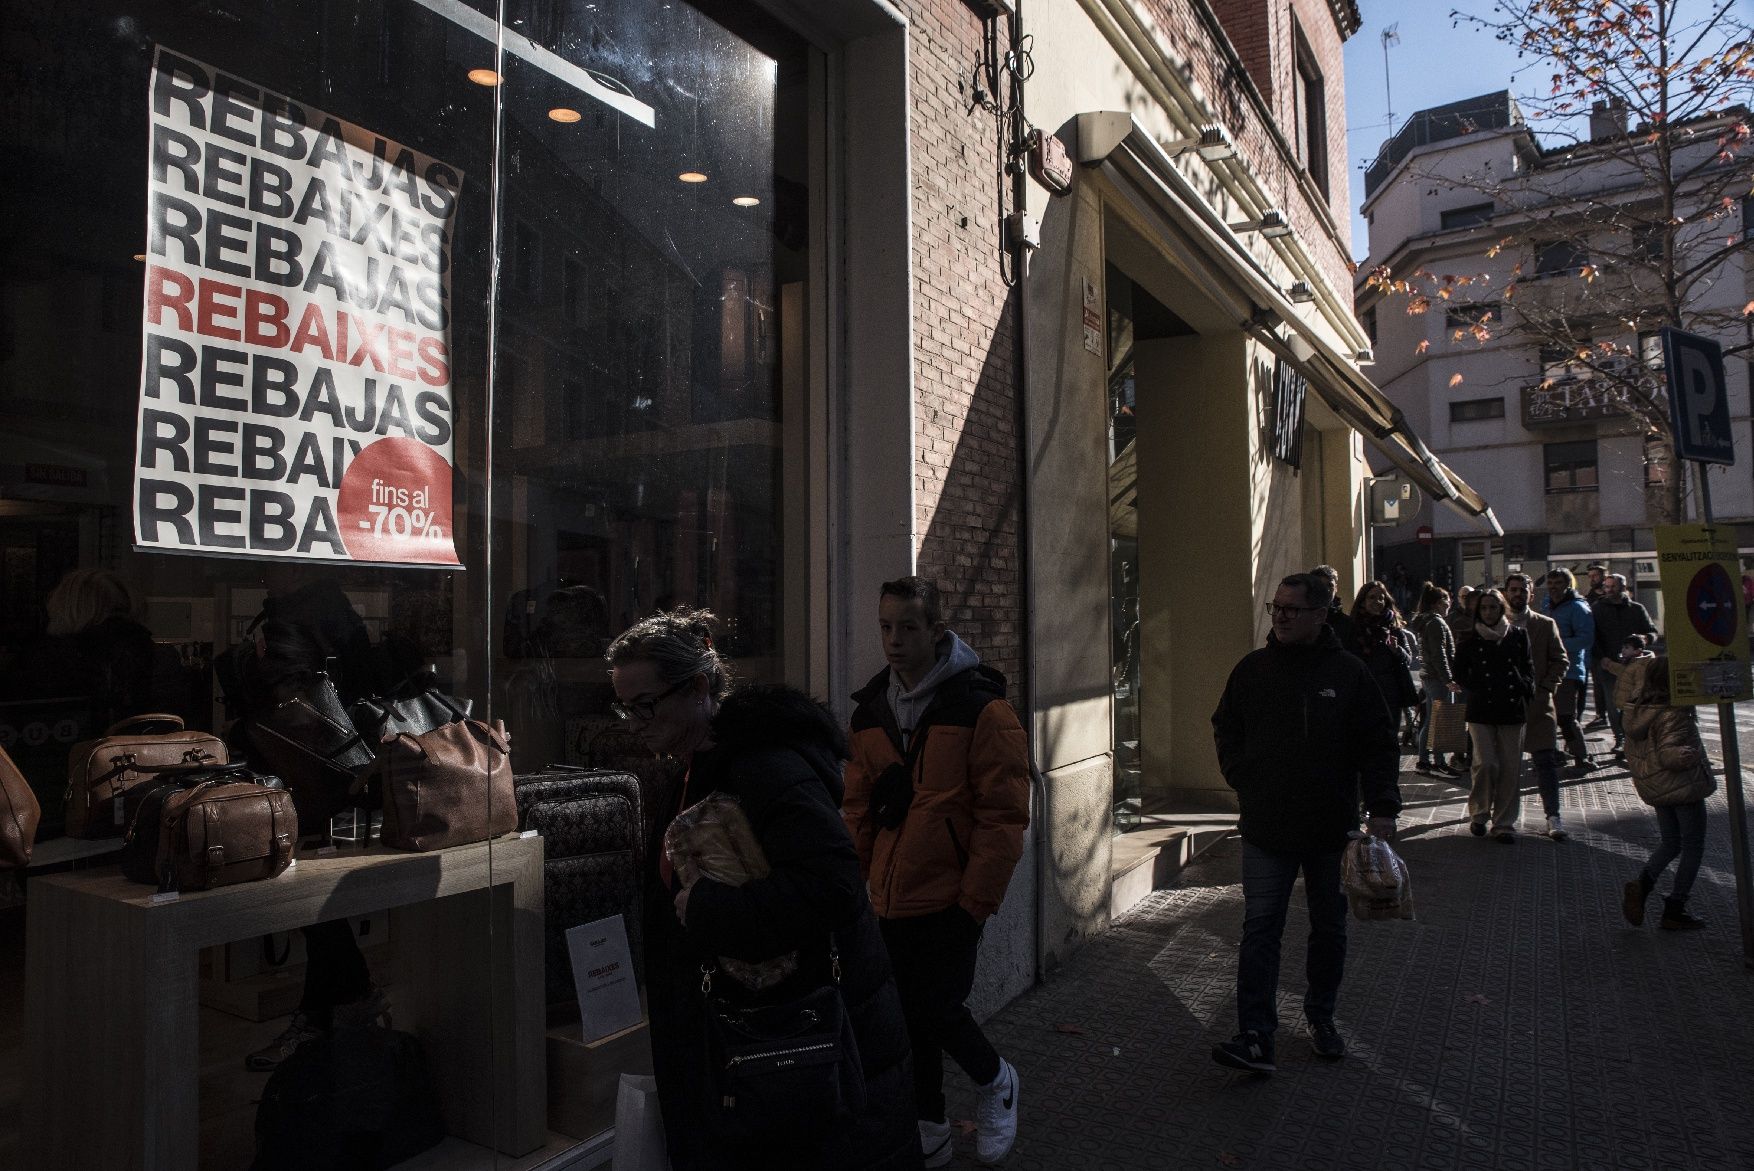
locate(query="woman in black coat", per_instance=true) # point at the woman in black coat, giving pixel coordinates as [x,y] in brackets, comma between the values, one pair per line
[1378,637]
[1493,662]
[779,753]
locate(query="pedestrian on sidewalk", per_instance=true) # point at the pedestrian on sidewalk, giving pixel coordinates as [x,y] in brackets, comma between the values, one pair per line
[1541,728]
[1594,590]
[1577,630]
[1617,617]
[1672,775]
[1385,646]
[1338,618]
[1300,730]
[1493,663]
[937,799]
[1437,648]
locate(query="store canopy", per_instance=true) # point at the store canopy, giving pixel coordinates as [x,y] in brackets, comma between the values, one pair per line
[1133,159]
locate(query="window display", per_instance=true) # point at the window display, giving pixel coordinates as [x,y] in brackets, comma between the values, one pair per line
[364,367]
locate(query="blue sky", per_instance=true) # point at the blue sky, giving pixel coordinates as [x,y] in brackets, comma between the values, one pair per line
[1437,61]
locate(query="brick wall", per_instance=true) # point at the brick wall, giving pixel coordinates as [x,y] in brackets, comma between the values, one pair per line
[967,493]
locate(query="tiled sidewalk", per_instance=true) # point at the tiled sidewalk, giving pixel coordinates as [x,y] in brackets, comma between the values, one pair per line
[1518,1023]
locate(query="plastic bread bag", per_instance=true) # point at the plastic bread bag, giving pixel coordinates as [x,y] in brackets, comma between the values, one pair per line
[712,839]
[1376,880]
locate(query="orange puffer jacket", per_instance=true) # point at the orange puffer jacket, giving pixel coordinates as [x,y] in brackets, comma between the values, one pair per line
[963,832]
[1663,748]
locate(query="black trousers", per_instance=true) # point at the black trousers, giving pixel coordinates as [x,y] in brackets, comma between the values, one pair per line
[934,957]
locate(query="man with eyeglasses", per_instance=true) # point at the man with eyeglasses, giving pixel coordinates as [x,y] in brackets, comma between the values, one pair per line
[1301,728]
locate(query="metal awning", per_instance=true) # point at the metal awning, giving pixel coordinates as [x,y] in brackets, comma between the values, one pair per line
[1128,153]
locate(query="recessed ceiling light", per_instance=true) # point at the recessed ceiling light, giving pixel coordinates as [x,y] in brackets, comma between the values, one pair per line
[562,114]
[745,201]
[141,256]
[484,77]
[692,177]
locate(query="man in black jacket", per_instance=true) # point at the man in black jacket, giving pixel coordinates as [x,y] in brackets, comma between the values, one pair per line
[1618,618]
[1300,728]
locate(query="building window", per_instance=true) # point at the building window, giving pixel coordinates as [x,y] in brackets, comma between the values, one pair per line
[1647,243]
[1474,409]
[1369,320]
[1466,217]
[1560,258]
[1559,363]
[1571,467]
[1310,94]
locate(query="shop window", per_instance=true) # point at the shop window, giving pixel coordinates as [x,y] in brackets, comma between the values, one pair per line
[1310,95]
[1475,409]
[1560,258]
[1570,467]
[1466,217]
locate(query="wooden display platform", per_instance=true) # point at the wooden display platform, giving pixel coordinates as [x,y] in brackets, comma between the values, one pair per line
[111,994]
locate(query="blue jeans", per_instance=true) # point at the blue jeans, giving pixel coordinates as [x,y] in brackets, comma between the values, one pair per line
[1267,879]
[1605,700]
[1683,829]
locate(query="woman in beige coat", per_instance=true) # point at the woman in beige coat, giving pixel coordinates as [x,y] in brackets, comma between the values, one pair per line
[1672,774]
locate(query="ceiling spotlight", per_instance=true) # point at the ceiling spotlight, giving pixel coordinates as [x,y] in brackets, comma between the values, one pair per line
[485,77]
[745,201]
[1301,292]
[1272,224]
[140,256]
[1212,143]
[692,177]
[562,114]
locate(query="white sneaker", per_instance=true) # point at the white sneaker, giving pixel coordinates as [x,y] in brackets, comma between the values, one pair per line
[1556,828]
[935,1142]
[995,1116]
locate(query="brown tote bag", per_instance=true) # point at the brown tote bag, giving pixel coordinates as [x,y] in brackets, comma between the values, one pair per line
[1449,727]
[19,813]
[448,787]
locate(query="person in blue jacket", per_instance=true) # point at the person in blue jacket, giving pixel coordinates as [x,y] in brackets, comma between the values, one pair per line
[1577,629]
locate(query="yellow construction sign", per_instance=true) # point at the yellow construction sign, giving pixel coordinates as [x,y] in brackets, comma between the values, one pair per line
[1707,626]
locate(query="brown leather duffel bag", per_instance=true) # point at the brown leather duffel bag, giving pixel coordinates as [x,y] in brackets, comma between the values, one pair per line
[449,786]
[19,813]
[131,753]
[211,828]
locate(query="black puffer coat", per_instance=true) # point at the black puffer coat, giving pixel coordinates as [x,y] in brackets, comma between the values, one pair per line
[779,753]
[1499,675]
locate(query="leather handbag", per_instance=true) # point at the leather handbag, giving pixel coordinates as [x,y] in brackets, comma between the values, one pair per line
[207,828]
[414,706]
[308,739]
[19,813]
[132,753]
[448,787]
[1449,727]
[783,1072]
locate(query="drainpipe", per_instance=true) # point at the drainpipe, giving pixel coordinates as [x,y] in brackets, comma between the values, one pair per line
[1017,162]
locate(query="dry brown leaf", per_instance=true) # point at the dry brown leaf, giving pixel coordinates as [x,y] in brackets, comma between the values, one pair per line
[1455,379]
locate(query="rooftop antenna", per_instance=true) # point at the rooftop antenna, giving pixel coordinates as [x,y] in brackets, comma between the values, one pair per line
[1391,36]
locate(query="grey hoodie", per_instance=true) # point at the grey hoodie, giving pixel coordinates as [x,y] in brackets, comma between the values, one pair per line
[954,657]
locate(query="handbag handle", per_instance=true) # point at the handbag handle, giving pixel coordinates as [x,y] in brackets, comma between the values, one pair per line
[708,971]
[134,723]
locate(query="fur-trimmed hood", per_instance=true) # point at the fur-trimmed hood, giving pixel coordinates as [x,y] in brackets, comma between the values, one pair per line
[765,717]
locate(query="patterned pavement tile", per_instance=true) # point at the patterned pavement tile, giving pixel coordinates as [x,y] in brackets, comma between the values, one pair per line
[1519,1022]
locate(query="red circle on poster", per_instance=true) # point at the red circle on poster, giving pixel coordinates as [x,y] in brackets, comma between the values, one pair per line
[395,504]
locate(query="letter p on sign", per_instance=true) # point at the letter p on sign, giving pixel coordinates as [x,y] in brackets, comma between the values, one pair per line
[1699,404]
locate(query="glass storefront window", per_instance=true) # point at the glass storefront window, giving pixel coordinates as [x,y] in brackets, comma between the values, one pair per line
[264,377]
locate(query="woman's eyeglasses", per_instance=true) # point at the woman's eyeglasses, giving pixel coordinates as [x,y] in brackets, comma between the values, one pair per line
[644,709]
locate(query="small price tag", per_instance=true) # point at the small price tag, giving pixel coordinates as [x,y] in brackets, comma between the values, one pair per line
[165,896]
[529,833]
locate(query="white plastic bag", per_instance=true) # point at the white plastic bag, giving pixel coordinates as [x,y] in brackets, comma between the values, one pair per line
[639,1126]
[1377,882]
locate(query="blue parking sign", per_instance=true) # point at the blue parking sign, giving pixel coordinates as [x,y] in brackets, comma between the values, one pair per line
[1699,402]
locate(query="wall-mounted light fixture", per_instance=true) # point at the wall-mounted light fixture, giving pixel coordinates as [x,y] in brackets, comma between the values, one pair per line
[1272,224]
[1212,143]
[1301,292]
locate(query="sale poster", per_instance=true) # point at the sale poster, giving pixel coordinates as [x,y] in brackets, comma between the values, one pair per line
[1705,622]
[296,381]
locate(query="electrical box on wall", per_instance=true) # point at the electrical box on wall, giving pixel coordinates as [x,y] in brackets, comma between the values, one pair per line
[1049,163]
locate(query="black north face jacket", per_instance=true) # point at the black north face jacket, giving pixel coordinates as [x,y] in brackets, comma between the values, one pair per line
[1300,730]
